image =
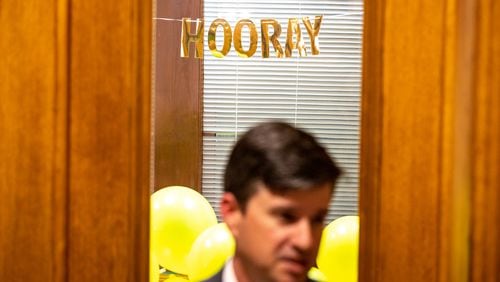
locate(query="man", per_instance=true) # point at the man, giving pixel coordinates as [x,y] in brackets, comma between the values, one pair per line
[277,186]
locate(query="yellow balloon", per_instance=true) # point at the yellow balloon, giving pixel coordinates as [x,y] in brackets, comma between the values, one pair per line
[178,215]
[209,252]
[338,250]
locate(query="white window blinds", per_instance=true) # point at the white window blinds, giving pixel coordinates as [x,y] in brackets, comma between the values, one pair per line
[318,93]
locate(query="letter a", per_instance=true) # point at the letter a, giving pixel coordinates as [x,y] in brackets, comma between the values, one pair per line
[294,28]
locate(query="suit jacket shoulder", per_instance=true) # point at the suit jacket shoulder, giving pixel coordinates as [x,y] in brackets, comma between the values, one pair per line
[216,278]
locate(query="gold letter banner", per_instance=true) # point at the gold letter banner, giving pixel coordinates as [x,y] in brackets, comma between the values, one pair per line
[293,37]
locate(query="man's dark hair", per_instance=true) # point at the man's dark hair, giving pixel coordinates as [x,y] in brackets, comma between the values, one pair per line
[280,156]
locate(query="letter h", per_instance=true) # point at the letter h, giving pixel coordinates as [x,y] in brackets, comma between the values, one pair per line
[187,37]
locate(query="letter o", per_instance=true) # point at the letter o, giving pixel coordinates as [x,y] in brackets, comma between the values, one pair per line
[227,38]
[238,46]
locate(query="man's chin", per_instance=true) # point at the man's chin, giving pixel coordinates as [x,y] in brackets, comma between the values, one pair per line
[289,277]
[291,271]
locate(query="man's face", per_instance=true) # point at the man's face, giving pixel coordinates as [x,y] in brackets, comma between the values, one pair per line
[278,235]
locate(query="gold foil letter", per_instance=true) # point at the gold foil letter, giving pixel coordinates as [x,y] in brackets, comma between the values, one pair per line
[187,37]
[228,37]
[313,32]
[264,28]
[238,46]
[294,28]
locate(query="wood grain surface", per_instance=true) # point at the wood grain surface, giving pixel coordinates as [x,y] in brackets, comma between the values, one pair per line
[429,155]
[33,143]
[178,99]
[485,251]
[75,112]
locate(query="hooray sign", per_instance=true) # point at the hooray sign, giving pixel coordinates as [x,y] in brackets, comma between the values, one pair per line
[293,37]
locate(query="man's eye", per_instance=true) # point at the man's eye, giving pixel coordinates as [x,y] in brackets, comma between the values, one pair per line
[287,217]
[318,220]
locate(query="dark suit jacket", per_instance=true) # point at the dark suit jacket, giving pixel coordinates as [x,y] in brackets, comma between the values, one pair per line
[216,278]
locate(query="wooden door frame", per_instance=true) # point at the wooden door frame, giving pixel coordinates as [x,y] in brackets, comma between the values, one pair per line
[75,152]
[430,141]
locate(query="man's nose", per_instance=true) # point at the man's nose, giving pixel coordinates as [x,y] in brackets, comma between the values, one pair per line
[303,236]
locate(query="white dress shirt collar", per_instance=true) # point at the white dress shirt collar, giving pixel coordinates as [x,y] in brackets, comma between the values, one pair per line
[228,274]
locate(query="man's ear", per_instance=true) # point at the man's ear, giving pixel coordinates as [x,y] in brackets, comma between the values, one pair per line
[231,212]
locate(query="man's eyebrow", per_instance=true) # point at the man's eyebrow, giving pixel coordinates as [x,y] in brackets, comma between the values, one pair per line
[322,212]
[293,209]
[283,209]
